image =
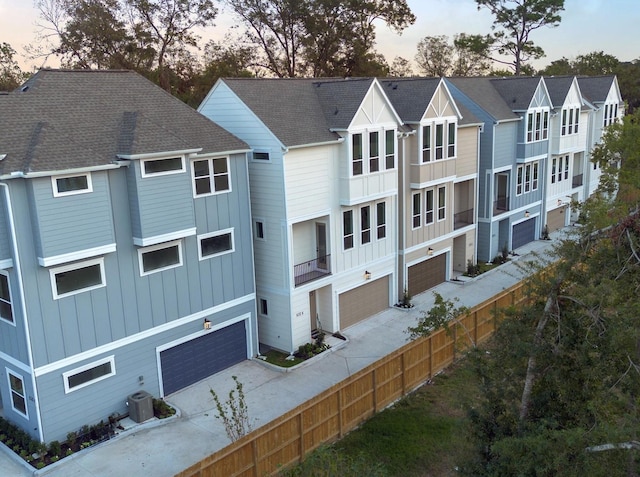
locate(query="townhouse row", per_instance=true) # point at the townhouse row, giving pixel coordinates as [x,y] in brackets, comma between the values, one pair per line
[147,246]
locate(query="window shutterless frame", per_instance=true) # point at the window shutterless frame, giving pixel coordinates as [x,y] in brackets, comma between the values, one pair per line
[71,184]
[88,374]
[6,306]
[18,393]
[215,244]
[162,167]
[77,277]
[162,256]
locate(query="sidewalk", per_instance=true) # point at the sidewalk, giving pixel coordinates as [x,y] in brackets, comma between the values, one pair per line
[164,448]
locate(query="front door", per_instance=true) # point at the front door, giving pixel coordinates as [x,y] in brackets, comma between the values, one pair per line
[321,250]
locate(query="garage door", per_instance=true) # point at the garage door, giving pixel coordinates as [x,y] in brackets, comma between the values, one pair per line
[523,233]
[555,219]
[195,360]
[363,302]
[427,274]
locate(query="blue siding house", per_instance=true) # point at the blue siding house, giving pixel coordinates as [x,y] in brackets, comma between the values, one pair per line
[126,259]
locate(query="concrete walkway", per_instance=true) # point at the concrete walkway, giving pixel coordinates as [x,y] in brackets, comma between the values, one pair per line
[164,448]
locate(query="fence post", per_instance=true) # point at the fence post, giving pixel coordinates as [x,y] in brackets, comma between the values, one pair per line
[254,448]
[340,412]
[404,377]
[475,328]
[301,429]
[375,389]
[430,358]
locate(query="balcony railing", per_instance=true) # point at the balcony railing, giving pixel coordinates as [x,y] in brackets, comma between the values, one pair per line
[576,181]
[500,206]
[462,219]
[312,270]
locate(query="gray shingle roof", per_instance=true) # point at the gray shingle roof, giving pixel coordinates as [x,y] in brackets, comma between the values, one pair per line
[411,96]
[302,110]
[595,88]
[68,119]
[517,91]
[482,92]
[558,87]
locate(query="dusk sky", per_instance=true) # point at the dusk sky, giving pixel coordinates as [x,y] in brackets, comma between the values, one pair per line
[610,26]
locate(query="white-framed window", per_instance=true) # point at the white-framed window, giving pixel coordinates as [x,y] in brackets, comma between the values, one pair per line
[537,125]
[416,212]
[566,167]
[88,374]
[527,177]
[77,277]
[18,393]
[263,307]
[442,203]
[428,206]
[71,184]
[215,244]
[610,114]
[6,308]
[365,224]
[374,151]
[258,229]
[357,155]
[426,143]
[389,149]
[570,121]
[519,180]
[261,156]
[451,139]
[347,229]
[162,256]
[554,167]
[381,220]
[211,176]
[560,159]
[162,167]
[439,140]
[534,184]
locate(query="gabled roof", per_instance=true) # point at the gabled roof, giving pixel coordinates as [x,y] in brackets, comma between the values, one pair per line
[72,119]
[596,88]
[410,96]
[517,91]
[482,92]
[341,99]
[558,87]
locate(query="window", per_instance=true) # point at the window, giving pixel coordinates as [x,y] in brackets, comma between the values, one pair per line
[426,143]
[258,227]
[442,204]
[534,185]
[610,114]
[537,125]
[374,152]
[365,224]
[88,374]
[381,220]
[347,229]
[570,119]
[157,258]
[451,140]
[6,310]
[560,169]
[530,127]
[264,307]
[390,149]
[261,156]
[77,278]
[71,185]
[545,124]
[519,180]
[160,167]
[356,165]
[215,244]
[416,210]
[428,207]
[566,167]
[211,176]
[563,130]
[18,394]
[439,141]
[527,178]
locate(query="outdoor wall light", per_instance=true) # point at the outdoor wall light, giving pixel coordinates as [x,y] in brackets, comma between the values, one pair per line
[429,251]
[526,213]
[559,202]
[367,275]
[207,324]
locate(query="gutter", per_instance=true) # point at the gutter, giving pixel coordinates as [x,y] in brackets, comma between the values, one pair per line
[79,170]
[340,140]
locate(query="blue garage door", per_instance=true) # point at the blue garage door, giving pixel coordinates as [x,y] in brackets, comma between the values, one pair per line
[523,233]
[201,357]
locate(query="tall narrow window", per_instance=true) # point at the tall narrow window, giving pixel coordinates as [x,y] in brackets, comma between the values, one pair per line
[519,180]
[545,125]
[374,152]
[534,185]
[381,220]
[553,170]
[575,130]
[451,140]
[566,167]
[538,125]
[365,224]
[18,394]
[559,168]
[442,203]
[563,131]
[416,210]
[6,310]
[571,121]
[347,229]
[530,127]
[426,143]
[439,141]
[390,149]
[428,207]
[357,154]
[527,178]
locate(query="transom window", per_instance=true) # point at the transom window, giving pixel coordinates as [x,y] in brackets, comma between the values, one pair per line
[216,244]
[365,224]
[18,393]
[71,185]
[157,258]
[347,229]
[537,125]
[77,278]
[88,374]
[6,310]
[381,220]
[211,176]
[160,167]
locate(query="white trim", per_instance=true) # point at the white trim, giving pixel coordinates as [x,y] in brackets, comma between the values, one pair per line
[436,253]
[156,239]
[153,248]
[260,300]
[74,256]
[57,193]
[261,151]
[210,176]
[372,197]
[159,155]
[24,414]
[6,263]
[14,362]
[73,172]
[75,266]
[106,348]
[144,174]
[95,364]
[216,234]
[433,183]
[13,318]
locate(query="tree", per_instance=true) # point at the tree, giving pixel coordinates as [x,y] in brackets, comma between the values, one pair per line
[400,68]
[11,76]
[515,21]
[435,56]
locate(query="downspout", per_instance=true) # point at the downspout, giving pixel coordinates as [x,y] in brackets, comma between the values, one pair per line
[23,305]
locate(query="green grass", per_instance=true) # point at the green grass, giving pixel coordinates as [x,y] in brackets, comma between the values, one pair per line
[280,359]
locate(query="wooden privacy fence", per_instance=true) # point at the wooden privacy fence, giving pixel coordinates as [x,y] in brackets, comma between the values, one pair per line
[339,409]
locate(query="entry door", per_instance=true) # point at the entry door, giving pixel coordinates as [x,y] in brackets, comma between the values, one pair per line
[321,241]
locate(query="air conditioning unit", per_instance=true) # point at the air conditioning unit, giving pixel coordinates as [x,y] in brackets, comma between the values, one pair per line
[140,406]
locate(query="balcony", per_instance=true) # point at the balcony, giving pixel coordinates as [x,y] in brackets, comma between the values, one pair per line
[311,270]
[576,181]
[501,206]
[462,219]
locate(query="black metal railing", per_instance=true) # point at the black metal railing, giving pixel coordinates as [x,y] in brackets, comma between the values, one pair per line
[312,270]
[576,181]
[462,219]
[500,206]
